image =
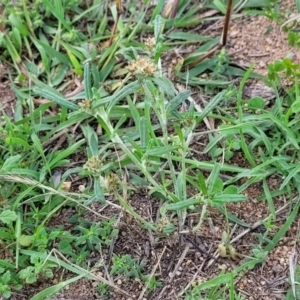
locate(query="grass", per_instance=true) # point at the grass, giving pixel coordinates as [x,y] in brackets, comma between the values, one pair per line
[109,117]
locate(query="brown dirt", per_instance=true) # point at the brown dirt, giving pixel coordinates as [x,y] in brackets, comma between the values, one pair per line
[258,40]
[7,97]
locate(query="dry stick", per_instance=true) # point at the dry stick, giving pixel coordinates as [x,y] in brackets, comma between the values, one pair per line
[152,273]
[161,292]
[292,264]
[170,9]
[226,23]
[206,55]
[190,283]
[182,257]
[114,29]
[55,137]
[223,39]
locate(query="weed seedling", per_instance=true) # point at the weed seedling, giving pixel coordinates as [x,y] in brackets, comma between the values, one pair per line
[126,265]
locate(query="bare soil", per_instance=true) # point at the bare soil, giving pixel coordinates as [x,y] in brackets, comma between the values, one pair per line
[258,40]
[7,96]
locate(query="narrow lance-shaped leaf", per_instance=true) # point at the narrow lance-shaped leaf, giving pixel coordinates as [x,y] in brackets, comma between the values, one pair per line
[214,175]
[75,62]
[143,133]
[182,204]
[118,95]
[158,27]
[98,190]
[16,22]
[52,53]
[57,14]
[56,98]
[87,81]
[283,229]
[202,183]
[177,100]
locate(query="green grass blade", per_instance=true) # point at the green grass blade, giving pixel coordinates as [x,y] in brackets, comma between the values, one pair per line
[48,292]
[284,228]
[57,13]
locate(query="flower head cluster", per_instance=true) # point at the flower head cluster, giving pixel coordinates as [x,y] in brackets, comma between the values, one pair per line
[150,43]
[142,66]
[93,164]
[85,104]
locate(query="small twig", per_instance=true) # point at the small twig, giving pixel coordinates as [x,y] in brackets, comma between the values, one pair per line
[114,29]
[55,136]
[199,249]
[170,9]
[223,40]
[226,23]
[189,284]
[182,257]
[206,55]
[152,273]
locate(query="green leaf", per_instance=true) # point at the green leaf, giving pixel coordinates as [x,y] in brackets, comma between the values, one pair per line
[11,162]
[98,191]
[186,36]
[25,240]
[56,13]
[144,135]
[118,95]
[75,62]
[52,53]
[46,293]
[269,198]
[202,183]
[257,103]
[213,178]
[228,198]
[216,281]
[232,189]
[8,216]
[48,94]
[284,228]
[158,27]
[182,204]
[87,81]
[158,8]
[159,151]
[173,104]
[220,6]
[16,22]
